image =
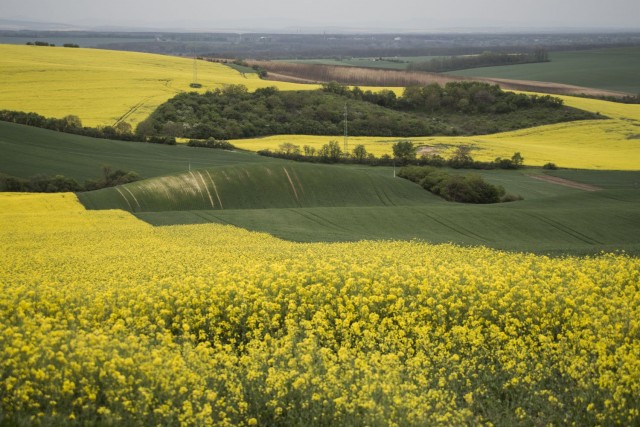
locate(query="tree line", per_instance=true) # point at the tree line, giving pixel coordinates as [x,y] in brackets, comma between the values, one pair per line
[122,131]
[485,59]
[61,183]
[404,153]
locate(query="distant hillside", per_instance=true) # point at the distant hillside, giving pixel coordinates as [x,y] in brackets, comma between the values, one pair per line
[104,87]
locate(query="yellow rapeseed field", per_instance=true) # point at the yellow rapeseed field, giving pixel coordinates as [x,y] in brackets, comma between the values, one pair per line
[600,144]
[102,86]
[107,320]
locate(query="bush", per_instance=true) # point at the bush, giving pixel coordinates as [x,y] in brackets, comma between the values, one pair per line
[212,143]
[39,184]
[550,166]
[456,188]
[165,140]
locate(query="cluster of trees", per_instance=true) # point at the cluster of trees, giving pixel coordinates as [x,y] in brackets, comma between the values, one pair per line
[404,153]
[72,124]
[233,112]
[462,97]
[626,99]
[473,98]
[461,159]
[39,43]
[328,153]
[211,143]
[485,59]
[456,188]
[61,183]
[457,108]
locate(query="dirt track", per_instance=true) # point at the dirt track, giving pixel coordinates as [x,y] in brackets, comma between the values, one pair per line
[566,182]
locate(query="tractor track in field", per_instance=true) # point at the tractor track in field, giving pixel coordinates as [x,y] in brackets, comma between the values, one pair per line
[566,229]
[457,229]
[132,110]
[318,219]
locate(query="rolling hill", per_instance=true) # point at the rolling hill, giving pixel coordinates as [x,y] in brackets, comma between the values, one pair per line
[258,186]
[28,151]
[104,87]
[310,203]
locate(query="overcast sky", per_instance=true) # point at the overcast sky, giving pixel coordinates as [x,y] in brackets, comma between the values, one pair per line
[372,14]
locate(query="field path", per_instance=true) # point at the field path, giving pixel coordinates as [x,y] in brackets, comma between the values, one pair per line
[566,182]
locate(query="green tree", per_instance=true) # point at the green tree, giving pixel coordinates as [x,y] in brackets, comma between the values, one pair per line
[330,152]
[517,160]
[72,121]
[461,157]
[359,153]
[123,128]
[289,149]
[309,151]
[404,151]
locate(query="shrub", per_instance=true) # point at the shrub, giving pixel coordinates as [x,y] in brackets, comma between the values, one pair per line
[211,143]
[456,188]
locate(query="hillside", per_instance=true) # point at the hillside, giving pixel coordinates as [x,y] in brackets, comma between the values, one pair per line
[319,203]
[257,186]
[104,87]
[28,151]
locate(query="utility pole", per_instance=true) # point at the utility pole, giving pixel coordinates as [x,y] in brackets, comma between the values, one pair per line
[195,83]
[195,69]
[346,129]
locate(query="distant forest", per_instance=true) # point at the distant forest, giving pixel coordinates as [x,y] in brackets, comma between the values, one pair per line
[321,45]
[458,108]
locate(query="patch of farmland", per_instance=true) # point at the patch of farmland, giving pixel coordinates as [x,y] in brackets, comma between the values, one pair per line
[103,87]
[613,69]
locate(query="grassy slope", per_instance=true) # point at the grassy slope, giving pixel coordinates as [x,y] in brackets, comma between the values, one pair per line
[338,203]
[259,186]
[612,69]
[28,151]
[102,86]
[580,224]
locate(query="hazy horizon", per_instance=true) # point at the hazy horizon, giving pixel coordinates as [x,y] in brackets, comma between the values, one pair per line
[375,15]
